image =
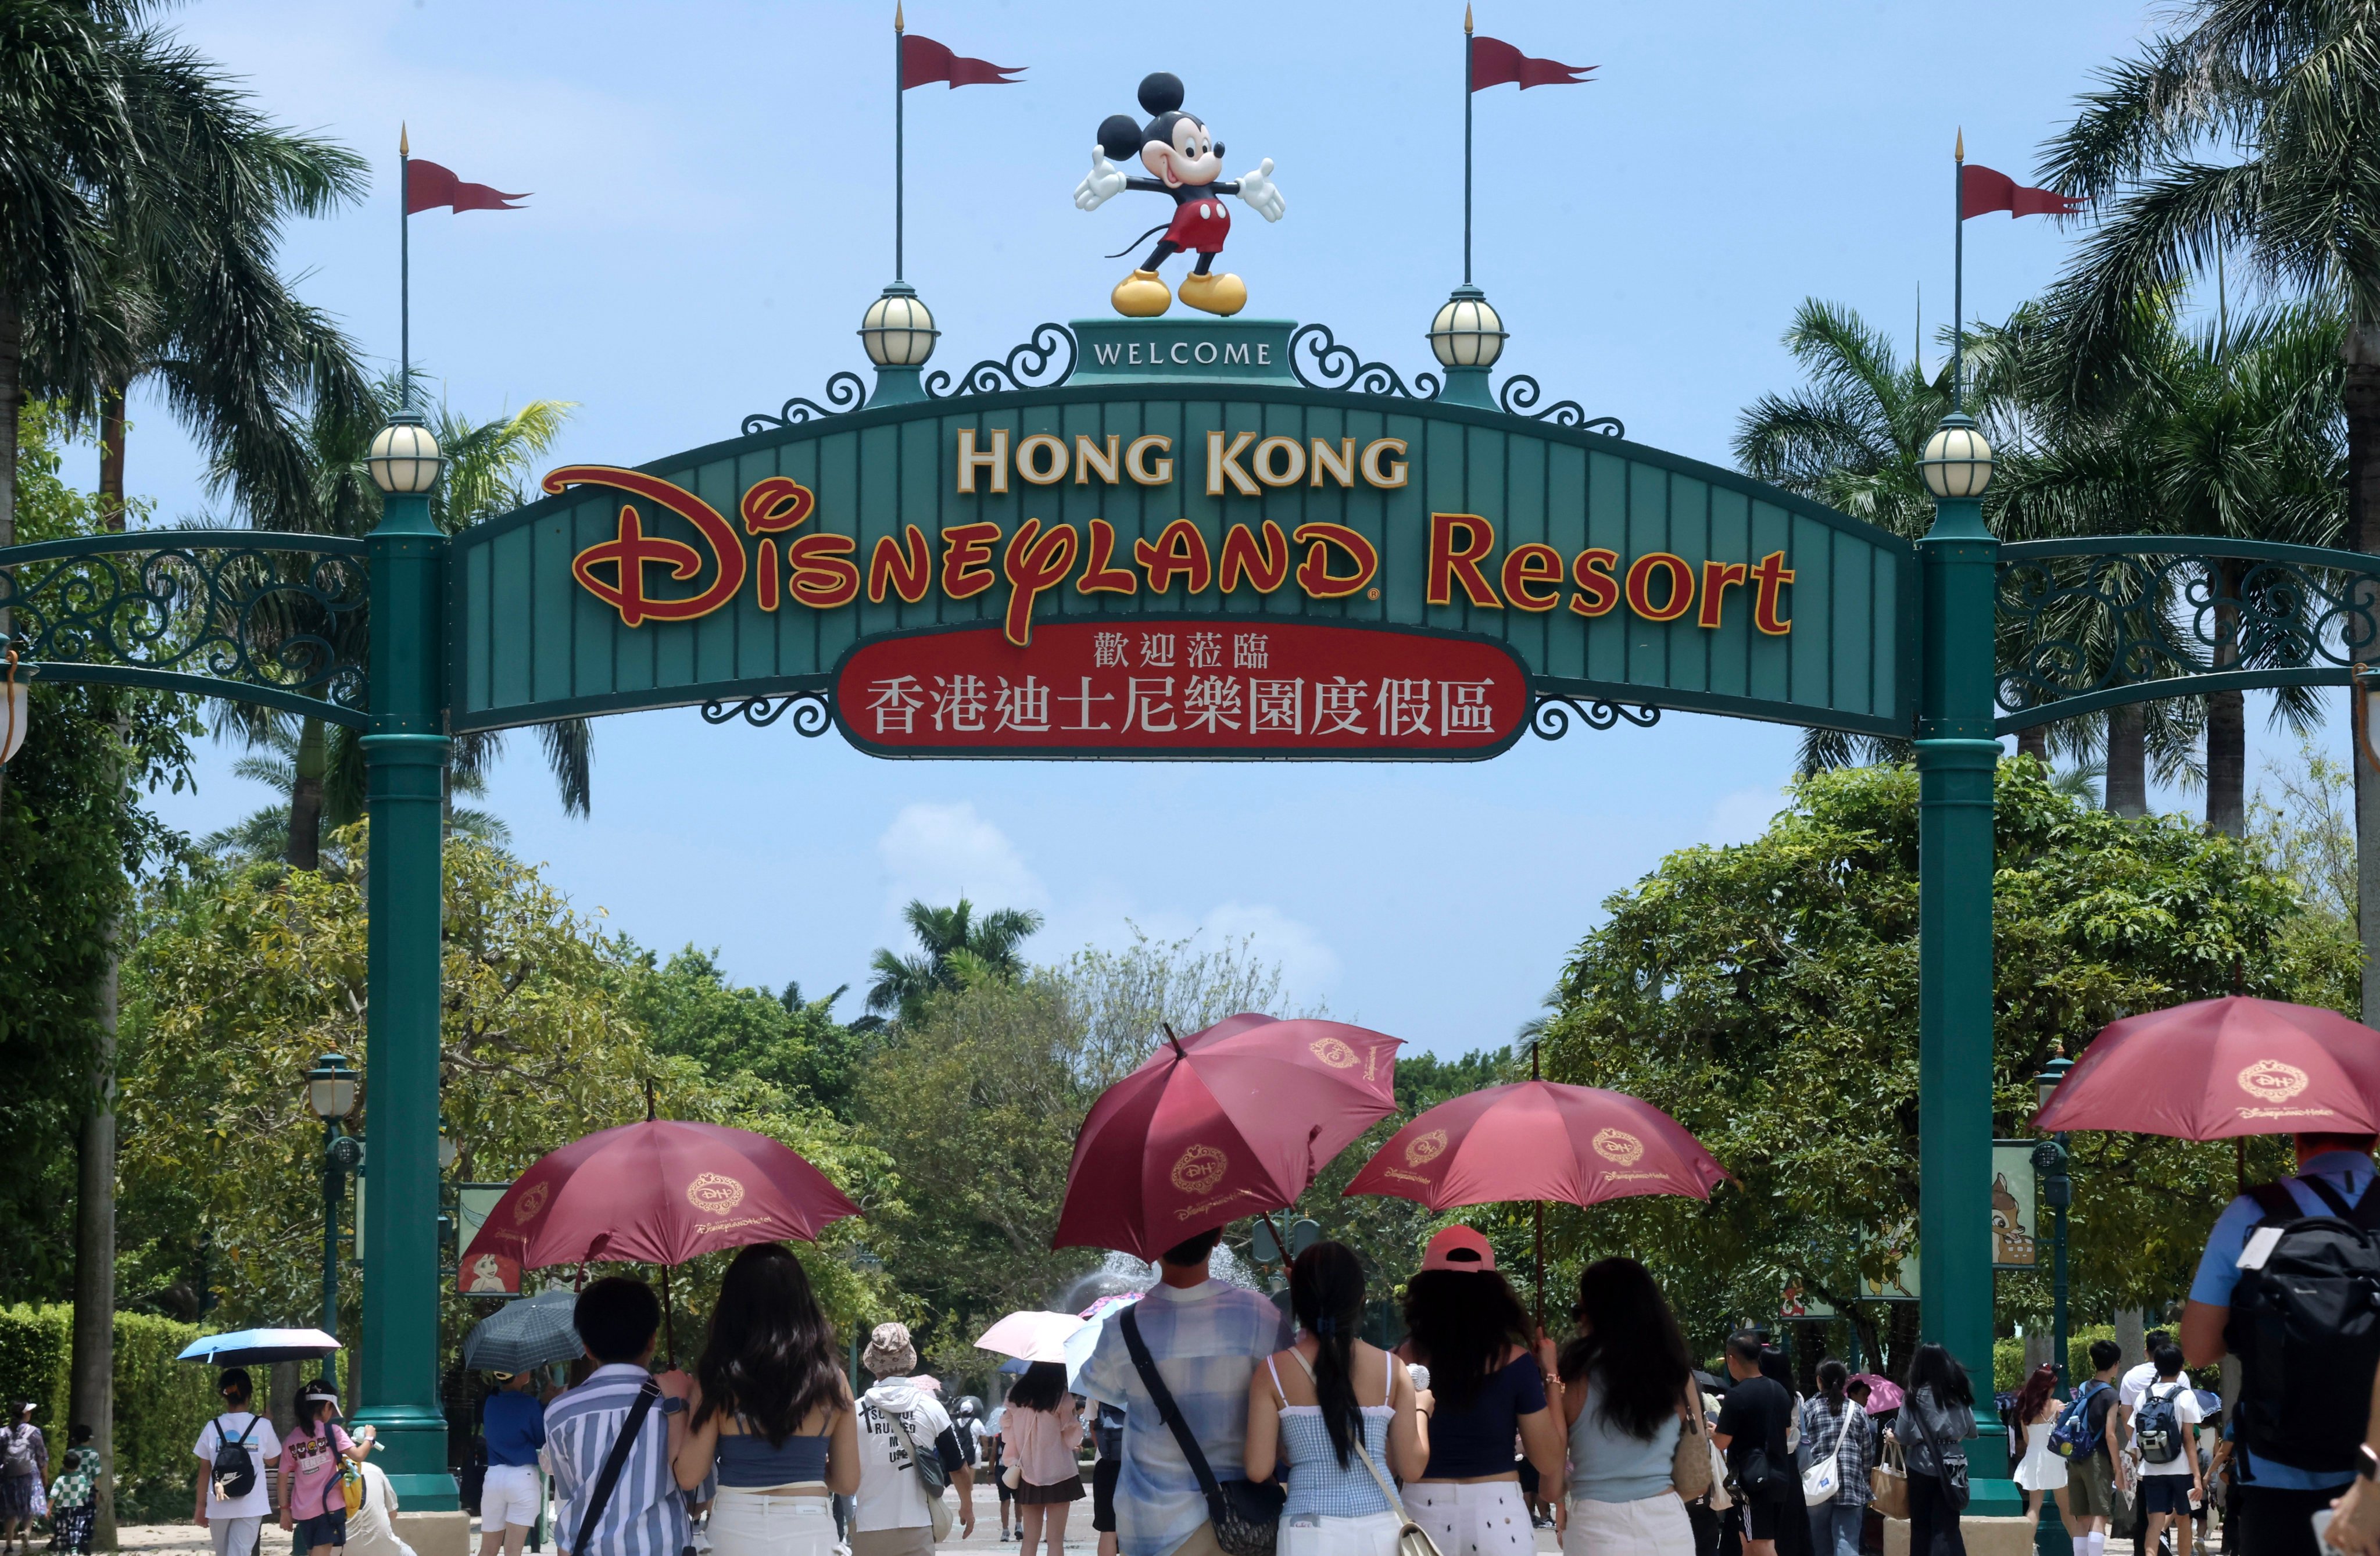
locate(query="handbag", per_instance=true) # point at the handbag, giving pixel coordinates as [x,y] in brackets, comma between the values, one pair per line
[1412,1538]
[1823,1481]
[1887,1482]
[1690,1462]
[938,1512]
[1245,1514]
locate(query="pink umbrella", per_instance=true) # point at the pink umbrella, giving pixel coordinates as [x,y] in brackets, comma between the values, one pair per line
[1883,1392]
[1030,1336]
[2216,1069]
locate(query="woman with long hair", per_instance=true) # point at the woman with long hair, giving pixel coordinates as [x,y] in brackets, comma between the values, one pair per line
[1834,1426]
[771,1412]
[1487,1382]
[1627,1393]
[2040,1473]
[1934,1423]
[1327,1405]
[1039,1437]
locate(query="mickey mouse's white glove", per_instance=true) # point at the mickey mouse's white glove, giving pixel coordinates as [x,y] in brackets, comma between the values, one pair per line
[1257,188]
[1102,184]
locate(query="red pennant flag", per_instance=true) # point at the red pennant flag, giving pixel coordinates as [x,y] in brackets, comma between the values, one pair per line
[924,62]
[427,186]
[1981,190]
[1495,62]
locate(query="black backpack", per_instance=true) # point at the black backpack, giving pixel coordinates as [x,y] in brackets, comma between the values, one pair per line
[2159,1429]
[234,1471]
[2306,1329]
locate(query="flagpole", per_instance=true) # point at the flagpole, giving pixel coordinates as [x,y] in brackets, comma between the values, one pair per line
[1958,268]
[1466,145]
[404,271]
[899,161]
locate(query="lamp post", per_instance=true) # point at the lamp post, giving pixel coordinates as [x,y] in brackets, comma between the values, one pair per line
[331,1092]
[898,333]
[2049,1159]
[1467,336]
[1957,758]
[404,759]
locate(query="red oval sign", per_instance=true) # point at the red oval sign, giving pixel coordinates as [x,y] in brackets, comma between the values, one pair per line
[1186,687]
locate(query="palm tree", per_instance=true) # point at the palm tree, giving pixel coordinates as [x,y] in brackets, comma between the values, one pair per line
[273,758]
[954,945]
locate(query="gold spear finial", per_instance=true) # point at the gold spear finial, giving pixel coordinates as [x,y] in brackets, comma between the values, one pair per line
[402,149]
[1959,153]
[896,16]
[1466,19]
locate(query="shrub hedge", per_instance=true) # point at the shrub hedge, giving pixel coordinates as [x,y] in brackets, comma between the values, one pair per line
[160,1403]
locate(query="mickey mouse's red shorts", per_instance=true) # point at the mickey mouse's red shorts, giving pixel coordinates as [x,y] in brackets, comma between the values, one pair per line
[1201,224]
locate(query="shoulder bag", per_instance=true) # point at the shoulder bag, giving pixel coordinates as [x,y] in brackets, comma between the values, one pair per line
[1245,1514]
[1690,1462]
[601,1497]
[1888,1481]
[1951,1471]
[1823,1481]
[1412,1538]
[938,1512]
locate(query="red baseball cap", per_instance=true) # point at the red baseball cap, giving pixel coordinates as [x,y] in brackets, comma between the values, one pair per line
[1459,1247]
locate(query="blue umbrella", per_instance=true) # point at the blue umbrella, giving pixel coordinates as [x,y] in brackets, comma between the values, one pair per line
[1014,1365]
[243,1346]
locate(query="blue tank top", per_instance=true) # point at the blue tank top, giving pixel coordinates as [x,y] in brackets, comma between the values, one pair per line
[1609,1466]
[745,1459]
[1316,1483]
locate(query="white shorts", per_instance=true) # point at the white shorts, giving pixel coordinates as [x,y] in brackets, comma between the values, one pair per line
[509,1496]
[1371,1534]
[1483,1518]
[744,1522]
[1648,1526]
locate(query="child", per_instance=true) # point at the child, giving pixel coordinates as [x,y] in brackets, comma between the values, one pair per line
[74,1496]
[311,1499]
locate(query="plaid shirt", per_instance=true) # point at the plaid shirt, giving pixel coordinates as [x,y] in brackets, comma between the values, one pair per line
[1206,1341]
[1822,1423]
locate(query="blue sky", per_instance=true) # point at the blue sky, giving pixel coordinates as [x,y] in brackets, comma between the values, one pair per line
[712,210]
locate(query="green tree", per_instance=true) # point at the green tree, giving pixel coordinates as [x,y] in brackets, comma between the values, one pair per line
[781,1041]
[1766,996]
[950,939]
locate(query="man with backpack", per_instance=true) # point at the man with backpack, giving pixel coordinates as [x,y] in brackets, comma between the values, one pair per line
[2094,1470]
[2283,1283]
[2164,1429]
[233,1451]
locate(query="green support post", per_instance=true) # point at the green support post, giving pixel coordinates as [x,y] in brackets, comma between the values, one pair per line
[1958,757]
[405,756]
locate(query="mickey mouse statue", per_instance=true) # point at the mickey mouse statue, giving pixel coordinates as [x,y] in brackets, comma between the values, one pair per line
[1176,147]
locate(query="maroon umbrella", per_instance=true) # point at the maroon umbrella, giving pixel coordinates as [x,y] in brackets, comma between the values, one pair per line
[1231,1122]
[1539,1141]
[660,1192]
[2214,1069]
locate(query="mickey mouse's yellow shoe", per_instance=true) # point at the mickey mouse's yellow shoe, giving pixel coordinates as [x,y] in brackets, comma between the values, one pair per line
[1142,296]
[1214,293]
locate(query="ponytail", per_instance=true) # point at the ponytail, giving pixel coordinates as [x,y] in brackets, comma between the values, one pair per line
[1326,1288]
[1833,1378]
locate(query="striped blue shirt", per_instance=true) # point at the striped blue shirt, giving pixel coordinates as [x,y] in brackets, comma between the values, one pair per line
[1206,1341]
[646,1515]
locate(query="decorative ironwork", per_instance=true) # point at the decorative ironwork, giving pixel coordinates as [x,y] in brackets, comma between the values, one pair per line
[844,392]
[1519,391]
[1551,714]
[1340,367]
[1026,367]
[2093,621]
[285,612]
[812,709]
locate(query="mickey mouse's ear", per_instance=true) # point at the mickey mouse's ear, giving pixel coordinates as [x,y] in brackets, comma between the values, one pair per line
[1120,137]
[1161,93]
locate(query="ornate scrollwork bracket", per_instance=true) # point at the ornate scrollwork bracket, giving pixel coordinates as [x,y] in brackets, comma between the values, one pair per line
[812,710]
[1340,367]
[1519,391]
[844,392]
[1027,366]
[1551,714]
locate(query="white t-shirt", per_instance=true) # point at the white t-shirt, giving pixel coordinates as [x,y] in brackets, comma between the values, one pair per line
[2136,1383]
[891,1495]
[263,1445]
[2186,1411]
[370,1531]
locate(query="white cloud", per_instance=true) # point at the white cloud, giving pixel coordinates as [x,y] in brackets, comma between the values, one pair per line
[1741,816]
[938,853]
[1309,966]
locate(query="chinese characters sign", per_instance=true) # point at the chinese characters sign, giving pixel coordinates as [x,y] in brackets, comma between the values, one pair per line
[1196,687]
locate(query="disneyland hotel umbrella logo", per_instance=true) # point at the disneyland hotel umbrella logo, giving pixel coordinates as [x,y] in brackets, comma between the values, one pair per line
[1621,1149]
[1420,1151]
[776,555]
[2272,1083]
[1199,1171]
[717,1194]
